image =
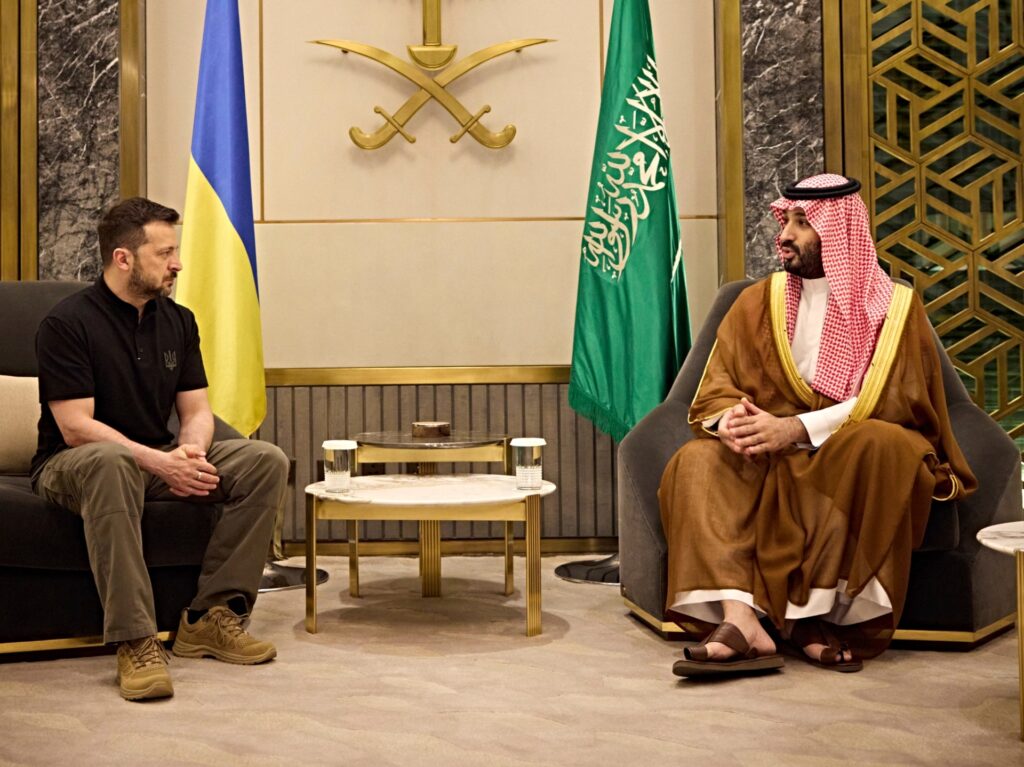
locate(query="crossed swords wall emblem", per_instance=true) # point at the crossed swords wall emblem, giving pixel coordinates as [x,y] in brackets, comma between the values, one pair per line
[433,55]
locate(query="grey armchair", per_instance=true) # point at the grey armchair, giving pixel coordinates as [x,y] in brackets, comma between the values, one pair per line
[959,592]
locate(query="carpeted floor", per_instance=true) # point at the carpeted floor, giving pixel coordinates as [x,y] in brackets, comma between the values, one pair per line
[393,679]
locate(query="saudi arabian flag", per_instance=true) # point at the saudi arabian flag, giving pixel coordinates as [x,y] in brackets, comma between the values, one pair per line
[632,329]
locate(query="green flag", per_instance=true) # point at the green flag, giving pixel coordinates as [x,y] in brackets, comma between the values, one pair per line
[632,329]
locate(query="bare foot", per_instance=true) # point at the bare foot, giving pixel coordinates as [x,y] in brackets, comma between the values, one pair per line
[812,627]
[744,618]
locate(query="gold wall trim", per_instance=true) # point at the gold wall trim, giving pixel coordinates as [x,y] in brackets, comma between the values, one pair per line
[18,140]
[454,219]
[832,51]
[132,47]
[263,186]
[600,49]
[386,376]
[71,643]
[729,106]
[29,141]
[458,547]
[9,150]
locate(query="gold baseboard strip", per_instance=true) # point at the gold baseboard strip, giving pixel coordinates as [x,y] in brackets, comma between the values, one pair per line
[71,643]
[457,547]
[901,635]
[957,637]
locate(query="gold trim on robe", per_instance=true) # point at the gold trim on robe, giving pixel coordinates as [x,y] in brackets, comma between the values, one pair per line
[781,335]
[885,353]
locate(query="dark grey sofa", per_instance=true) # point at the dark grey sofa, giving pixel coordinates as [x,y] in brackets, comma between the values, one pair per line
[46,587]
[959,591]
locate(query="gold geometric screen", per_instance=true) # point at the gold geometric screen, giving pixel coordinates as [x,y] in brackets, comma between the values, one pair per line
[945,146]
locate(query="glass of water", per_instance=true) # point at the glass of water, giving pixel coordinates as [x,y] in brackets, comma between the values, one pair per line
[339,464]
[526,453]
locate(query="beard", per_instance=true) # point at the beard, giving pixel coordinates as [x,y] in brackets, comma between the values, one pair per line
[810,266]
[139,286]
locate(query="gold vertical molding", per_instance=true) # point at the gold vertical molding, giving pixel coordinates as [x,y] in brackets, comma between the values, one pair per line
[832,52]
[132,37]
[600,42]
[263,187]
[856,55]
[729,106]
[29,220]
[10,32]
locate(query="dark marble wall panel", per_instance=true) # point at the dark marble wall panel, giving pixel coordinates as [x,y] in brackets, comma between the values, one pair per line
[783,112]
[78,132]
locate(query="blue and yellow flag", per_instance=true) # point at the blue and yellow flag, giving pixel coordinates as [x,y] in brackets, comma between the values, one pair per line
[218,249]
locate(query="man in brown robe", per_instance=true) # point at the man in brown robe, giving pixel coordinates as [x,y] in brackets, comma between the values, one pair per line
[823,437]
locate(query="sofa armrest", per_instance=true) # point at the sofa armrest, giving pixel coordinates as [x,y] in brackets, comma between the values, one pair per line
[995,461]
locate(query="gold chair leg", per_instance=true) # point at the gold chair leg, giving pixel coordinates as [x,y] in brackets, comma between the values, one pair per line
[509,581]
[311,564]
[430,557]
[353,558]
[532,565]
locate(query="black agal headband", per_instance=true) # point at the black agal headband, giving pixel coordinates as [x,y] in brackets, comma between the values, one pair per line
[797,192]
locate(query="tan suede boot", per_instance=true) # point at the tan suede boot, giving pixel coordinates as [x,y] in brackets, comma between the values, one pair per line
[220,634]
[142,669]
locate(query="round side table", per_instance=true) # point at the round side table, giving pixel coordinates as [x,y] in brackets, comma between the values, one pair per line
[1008,538]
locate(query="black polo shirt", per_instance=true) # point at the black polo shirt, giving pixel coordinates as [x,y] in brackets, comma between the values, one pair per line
[93,344]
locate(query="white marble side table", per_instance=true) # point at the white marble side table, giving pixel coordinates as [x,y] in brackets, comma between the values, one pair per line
[429,499]
[1008,538]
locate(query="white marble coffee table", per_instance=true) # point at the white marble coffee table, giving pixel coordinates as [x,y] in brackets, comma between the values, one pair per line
[1008,538]
[430,500]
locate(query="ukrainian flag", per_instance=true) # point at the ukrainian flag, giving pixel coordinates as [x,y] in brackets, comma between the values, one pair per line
[218,250]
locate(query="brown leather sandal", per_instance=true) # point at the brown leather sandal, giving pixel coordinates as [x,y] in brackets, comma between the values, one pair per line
[810,631]
[746,661]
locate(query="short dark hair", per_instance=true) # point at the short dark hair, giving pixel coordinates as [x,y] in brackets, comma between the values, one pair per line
[123,225]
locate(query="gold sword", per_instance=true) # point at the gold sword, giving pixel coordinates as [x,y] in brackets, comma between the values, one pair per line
[432,54]
[432,88]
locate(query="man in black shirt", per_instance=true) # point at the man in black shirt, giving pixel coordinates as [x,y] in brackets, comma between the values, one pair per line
[113,359]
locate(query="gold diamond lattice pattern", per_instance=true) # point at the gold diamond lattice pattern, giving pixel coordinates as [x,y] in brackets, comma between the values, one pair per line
[946,127]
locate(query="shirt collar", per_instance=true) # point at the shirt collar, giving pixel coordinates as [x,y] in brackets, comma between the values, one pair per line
[123,306]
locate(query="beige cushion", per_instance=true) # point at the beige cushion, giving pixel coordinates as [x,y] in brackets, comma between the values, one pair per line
[19,423]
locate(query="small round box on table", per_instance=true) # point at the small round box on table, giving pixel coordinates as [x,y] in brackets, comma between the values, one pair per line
[1008,538]
[429,499]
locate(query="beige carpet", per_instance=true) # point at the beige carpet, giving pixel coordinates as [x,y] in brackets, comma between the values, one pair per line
[393,679]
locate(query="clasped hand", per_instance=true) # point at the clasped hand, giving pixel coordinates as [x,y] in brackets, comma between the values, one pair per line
[187,472]
[750,431]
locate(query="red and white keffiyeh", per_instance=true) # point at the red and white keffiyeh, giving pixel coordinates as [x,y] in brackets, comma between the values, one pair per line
[859,290]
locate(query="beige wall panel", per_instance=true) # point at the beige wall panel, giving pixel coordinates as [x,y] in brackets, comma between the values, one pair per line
[684,44]
[314,94]
[417,294]
[700,260]
[365,295]
[174,32]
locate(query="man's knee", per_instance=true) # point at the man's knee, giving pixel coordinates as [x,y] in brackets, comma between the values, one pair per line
[271,456]
[264,460]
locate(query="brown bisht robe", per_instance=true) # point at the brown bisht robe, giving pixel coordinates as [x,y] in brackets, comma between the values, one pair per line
[853,510]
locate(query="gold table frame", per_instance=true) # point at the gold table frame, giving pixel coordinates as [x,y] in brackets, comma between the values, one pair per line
[526,510]
[985,538]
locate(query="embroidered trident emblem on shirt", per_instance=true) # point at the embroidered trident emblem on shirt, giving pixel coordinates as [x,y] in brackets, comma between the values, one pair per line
[171,360]
[432,55]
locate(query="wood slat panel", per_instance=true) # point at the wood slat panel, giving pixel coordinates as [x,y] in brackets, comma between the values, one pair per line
[578,458]
[586,502]
[552,507]
[337,409]
[284,426]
